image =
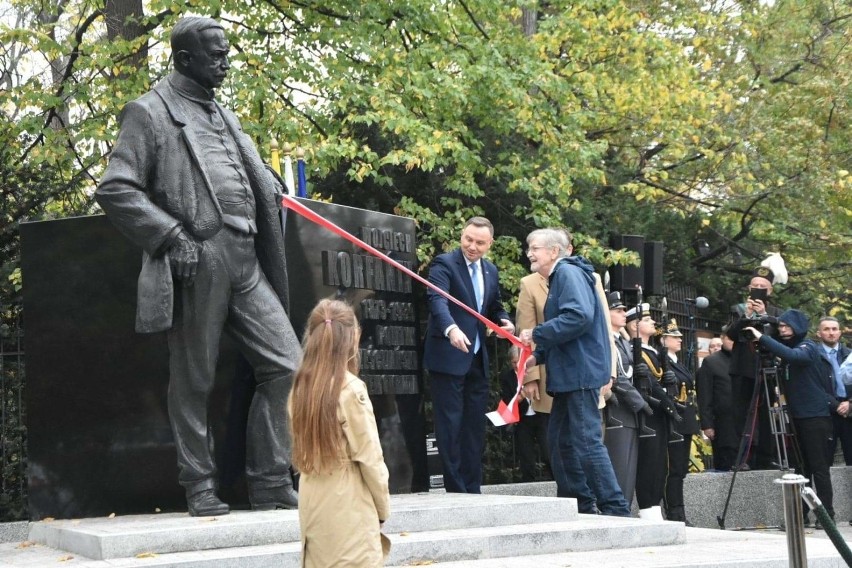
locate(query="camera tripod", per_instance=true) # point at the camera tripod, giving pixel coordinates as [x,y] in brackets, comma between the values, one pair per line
[768,389]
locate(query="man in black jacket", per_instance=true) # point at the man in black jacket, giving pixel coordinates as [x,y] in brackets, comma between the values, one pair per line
[745,366]
[624,405]
[716,405]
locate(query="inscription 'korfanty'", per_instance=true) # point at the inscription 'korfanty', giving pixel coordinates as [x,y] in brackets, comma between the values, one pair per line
[352,270]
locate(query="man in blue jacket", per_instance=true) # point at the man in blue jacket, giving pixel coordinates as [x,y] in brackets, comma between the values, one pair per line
[573,341]
[811,398]
[456,356]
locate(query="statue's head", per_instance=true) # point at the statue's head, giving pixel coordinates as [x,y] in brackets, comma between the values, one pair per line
[200,50]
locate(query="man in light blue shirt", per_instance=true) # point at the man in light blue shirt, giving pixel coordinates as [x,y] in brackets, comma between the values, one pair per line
[835,352]
[846,372]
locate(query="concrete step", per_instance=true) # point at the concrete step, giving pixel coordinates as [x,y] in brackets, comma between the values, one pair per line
[589,532]
[122,537]
[703,548]
[446,531]
[412,548]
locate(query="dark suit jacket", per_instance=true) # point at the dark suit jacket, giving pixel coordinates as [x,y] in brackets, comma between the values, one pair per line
[715,397]
[628,401]
[157,180]
[449,272]
[685,380]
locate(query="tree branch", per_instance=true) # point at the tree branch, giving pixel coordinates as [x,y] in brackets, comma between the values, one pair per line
[69,69]
[473,20]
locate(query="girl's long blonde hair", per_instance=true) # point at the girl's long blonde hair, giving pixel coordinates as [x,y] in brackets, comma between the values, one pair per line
[330,345]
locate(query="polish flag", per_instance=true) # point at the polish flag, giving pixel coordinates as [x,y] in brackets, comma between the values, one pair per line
[508,413]
[505,413]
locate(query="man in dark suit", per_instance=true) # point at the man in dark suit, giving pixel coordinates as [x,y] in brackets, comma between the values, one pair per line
[455,353]
[186,185]
[835,353]
[716,405]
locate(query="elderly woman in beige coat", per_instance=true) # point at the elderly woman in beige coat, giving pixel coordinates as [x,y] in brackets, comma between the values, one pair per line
[343,492]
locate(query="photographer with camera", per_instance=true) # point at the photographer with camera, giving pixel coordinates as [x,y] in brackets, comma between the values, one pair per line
[746,364]
[811,398]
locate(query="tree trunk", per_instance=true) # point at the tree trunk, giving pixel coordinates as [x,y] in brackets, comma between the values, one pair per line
[123,20]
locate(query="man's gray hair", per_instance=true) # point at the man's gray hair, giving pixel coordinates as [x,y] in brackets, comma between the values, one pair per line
[559,238]
[185,33]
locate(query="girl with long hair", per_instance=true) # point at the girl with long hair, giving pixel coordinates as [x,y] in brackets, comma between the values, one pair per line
[343,491]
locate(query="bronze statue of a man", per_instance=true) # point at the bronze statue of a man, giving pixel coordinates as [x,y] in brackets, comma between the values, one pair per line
[185,184]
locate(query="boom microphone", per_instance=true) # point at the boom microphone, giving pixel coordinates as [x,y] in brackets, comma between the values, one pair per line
[700,302]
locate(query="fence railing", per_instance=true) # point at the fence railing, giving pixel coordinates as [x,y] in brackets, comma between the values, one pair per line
[13,430]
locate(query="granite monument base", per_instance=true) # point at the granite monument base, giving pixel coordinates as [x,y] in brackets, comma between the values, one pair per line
[99,439]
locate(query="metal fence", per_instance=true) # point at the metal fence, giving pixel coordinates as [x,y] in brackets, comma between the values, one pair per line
[13,431]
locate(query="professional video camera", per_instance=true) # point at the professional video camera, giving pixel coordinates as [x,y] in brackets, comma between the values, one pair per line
[768,325]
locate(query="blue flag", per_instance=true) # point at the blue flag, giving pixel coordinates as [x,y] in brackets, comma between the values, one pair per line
[302,190]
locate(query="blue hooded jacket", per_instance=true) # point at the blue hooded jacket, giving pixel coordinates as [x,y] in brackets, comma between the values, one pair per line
[809,388]
[574,340]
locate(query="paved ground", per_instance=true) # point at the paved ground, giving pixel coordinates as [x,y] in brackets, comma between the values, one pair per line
[844,528]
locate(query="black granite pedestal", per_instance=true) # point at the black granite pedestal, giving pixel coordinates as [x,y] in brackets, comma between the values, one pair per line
[98,433]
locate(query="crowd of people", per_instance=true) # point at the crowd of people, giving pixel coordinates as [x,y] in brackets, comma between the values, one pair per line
[609,402]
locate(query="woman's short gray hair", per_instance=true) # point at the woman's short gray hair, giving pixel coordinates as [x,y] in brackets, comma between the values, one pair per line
[559,238]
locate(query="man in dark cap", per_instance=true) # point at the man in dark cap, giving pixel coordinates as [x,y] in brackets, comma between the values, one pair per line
[745,366]
[649,378]
[625,404]
[186,185]
[679,451]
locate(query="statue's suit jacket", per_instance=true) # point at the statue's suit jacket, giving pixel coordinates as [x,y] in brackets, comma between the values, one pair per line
[157,181]
[449,272]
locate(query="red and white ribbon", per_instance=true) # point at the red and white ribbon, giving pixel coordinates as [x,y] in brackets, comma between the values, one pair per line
[505,413]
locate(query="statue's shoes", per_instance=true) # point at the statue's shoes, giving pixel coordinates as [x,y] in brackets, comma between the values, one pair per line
[267,499]
[206,504]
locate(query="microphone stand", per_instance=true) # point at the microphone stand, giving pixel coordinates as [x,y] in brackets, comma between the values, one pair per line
[691,362]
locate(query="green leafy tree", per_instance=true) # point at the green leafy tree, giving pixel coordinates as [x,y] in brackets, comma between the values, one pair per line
[680,120]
